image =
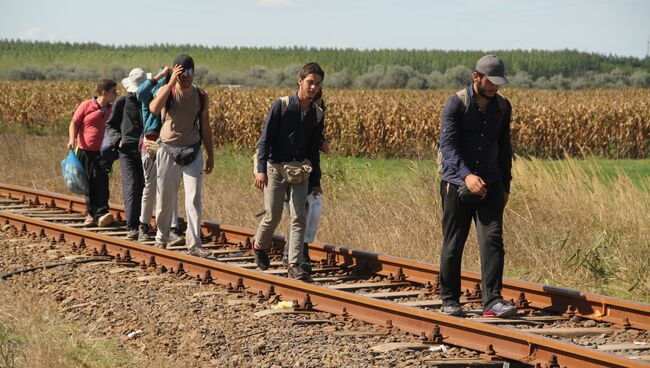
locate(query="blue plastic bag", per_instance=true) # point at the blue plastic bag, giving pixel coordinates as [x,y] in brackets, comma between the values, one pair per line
[74,175]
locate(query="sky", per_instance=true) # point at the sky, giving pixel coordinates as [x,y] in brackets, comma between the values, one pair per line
[607,27]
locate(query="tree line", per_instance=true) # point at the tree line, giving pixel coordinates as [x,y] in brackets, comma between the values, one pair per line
[346,68]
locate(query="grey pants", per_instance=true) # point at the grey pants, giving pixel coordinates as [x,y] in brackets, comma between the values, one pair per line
[149,192]
[169,179]
[274,194]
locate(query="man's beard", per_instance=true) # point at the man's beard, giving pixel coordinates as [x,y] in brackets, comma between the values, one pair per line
[481,91]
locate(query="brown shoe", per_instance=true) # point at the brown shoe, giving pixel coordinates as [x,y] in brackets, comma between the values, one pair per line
[89,221]
[105,220]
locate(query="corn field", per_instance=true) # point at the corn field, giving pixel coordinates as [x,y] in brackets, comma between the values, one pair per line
[397,123]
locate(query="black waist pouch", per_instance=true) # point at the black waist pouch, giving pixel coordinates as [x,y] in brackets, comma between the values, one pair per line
[182,155]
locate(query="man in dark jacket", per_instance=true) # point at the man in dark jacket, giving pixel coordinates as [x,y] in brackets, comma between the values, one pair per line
[476,173]
[287,154]
[124,131]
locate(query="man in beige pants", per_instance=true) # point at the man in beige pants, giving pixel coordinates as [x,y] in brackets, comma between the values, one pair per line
[288,152]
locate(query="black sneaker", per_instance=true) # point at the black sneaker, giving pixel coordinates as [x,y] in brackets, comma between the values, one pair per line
[262,259]
[143,233]
[297,272]
[305,253]
[132,234]
[452,309]
[500,309]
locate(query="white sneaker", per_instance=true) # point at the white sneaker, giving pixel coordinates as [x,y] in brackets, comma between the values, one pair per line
[105,220]
[199,252]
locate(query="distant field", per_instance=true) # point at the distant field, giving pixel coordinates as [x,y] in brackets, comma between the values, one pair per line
[383,123]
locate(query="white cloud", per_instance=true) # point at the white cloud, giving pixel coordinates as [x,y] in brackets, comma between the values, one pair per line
[272,3]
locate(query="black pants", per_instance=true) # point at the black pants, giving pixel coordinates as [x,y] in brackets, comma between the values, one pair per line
[97,170]
[456,221]
[132,185]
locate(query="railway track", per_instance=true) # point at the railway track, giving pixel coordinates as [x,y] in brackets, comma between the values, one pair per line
[555,327]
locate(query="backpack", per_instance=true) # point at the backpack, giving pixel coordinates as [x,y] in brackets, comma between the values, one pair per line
[283,110]
[465,100]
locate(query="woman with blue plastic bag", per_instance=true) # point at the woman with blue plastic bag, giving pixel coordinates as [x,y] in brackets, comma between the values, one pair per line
[87,126]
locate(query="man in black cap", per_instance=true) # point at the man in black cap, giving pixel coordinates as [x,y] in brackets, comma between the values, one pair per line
[185,125]
[476,172]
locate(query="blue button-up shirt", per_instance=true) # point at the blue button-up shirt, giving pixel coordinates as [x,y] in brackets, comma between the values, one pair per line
[476,142]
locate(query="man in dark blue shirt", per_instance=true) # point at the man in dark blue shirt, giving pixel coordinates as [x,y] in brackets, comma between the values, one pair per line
[289,160]
[476,172]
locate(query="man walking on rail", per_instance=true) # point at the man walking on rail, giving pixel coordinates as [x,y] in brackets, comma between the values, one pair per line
[185,125]
[288,152]
[476,172]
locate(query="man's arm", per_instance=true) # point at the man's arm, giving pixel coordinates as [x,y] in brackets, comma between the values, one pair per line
[145,92]
[505,149]
[450,136]
[114,122]
[160,100]
[264,144]
[77,119]
[206,134]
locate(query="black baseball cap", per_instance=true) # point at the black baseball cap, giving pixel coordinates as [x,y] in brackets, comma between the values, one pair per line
[492,67]
[185,61]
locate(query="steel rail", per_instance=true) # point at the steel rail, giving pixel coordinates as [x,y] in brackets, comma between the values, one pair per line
[494,341]
[560,300]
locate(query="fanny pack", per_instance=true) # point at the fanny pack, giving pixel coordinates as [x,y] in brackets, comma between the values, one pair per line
[182,155]
[296,174]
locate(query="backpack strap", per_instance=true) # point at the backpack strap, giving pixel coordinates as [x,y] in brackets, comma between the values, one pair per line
[285,105]
[465,100]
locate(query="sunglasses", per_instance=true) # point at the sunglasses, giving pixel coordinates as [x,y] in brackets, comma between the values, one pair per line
[188,73]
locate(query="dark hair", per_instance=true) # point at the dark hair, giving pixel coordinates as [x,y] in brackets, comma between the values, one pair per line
[105,85]
[312,68]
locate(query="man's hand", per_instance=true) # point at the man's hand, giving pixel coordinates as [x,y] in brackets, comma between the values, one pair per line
[70,144]
[209,165]
[176,74]
[162,73]
[476,185]
[261,180]
[316,191]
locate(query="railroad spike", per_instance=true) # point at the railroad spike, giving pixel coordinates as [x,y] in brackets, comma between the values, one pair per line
[388,324]
[163,269]
[29,202]
[37,201]
[103,251]
[74,246]
[82,243]
[143,265]
[331,260]
[41,233]
[95,253]
[207,278]
[570,311]
[307,304]
[400,275]
[248,244]
[271,292]
[52,203]
[240,285]
[54,241]
[475,294]
[181,270]
[70,206]
[436,336]
[522,302]
[229,287]
[61,238]
[198,279]
[489,353]
[127,256]
[118,257]
[152,261]
[261,297]
[553,363]
[222,238]
[626,323]
[295,305]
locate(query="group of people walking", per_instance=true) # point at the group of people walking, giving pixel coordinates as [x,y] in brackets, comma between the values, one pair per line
[157,131]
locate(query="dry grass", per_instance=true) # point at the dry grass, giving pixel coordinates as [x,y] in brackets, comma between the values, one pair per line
[33,334]
[565,225]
